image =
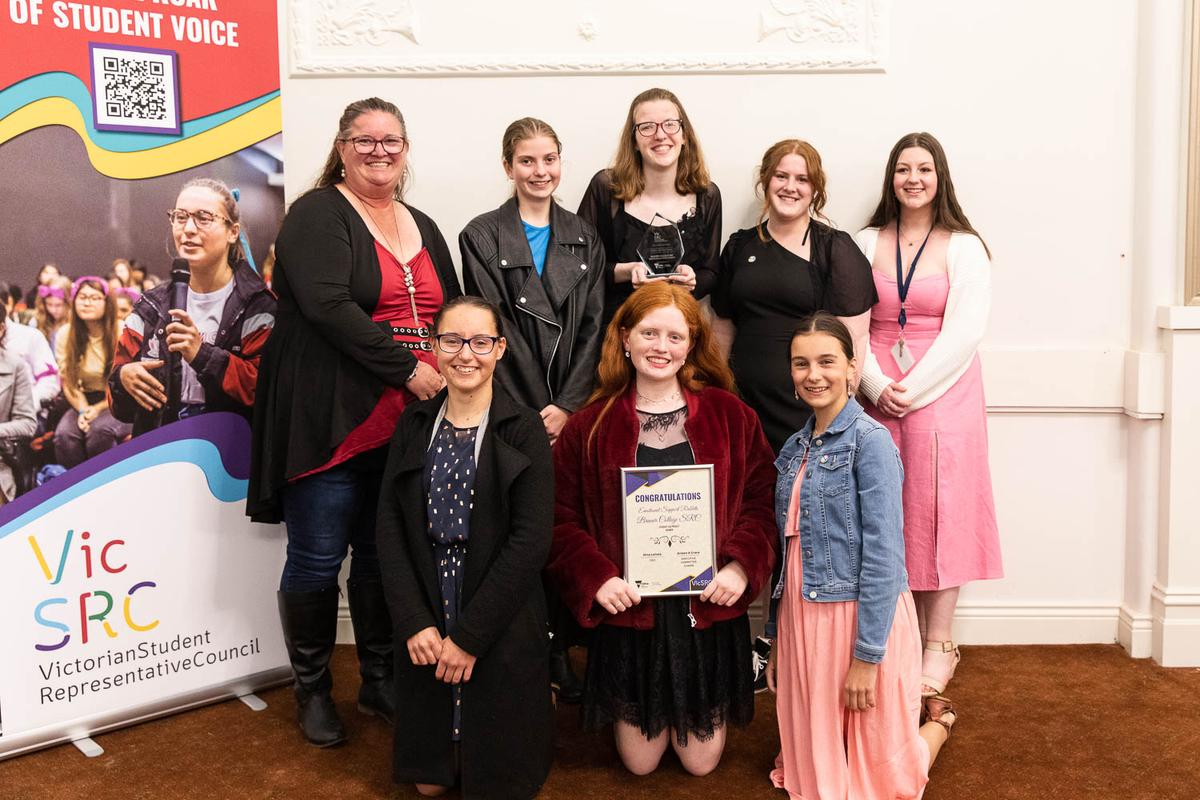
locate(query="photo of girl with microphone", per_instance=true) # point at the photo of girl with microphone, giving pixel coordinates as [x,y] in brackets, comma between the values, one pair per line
[192,345]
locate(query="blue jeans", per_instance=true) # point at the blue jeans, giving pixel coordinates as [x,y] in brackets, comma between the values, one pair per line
[326,514]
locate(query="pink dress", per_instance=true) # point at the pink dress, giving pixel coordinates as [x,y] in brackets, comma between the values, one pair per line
[827,752]
[950,534]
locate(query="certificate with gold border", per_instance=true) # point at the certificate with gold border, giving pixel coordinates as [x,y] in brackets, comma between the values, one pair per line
[670,529]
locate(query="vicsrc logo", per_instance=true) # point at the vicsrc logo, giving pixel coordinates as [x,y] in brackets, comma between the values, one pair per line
[100,562]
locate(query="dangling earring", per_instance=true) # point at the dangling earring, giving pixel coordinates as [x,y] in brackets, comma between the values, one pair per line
[795,394]
[343,171]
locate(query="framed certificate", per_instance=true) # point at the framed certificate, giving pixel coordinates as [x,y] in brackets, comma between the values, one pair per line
[670,529]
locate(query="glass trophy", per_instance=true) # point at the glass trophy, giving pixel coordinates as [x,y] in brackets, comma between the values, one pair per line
[661,248]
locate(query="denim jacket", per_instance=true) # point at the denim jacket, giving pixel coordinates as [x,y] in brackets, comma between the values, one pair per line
[851,522]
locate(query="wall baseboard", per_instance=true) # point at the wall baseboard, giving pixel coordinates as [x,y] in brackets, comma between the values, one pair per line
[1036,624]
[1135,632]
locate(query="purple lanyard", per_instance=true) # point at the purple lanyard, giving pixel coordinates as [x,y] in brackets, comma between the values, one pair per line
[902,283]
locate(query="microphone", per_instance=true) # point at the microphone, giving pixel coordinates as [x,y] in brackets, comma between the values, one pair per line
[181,274]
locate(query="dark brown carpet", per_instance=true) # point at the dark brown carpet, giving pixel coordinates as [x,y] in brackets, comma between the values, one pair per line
[1058,723]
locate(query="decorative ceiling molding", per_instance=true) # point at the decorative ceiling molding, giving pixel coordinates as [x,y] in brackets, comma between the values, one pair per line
[380,37]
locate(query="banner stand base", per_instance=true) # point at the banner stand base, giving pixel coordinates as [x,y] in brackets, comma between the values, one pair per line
[88,747]
[252,700]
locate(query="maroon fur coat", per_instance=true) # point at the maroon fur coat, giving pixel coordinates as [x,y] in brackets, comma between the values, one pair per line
[588,532]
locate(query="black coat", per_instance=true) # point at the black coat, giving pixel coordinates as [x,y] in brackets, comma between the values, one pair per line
[507,726]
[327,363]
[552,321]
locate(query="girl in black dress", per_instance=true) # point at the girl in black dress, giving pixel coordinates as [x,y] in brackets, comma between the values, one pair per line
[788,265]
[659,170]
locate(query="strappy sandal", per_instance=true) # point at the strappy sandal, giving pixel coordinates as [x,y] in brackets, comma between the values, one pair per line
[945,708]
[932,685]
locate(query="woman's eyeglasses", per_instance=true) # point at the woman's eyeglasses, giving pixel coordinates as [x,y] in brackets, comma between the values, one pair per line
[365,145]
[669,127]
[203,219]
[453,343]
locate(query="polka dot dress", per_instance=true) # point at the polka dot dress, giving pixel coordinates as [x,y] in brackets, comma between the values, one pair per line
[449,487]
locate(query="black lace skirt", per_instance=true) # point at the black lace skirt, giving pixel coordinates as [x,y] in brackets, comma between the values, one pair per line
[673,676]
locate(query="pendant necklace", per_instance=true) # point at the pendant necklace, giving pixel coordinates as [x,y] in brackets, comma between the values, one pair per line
[409,285]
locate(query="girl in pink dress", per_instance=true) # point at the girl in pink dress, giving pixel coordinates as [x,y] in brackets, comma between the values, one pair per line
[846,664]
[924,382]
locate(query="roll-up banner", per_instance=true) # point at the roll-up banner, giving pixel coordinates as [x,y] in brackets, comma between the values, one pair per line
[131,583]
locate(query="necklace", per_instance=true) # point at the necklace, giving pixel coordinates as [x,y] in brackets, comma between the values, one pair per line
[409,284]
[670,398]
[365,206]
[909,242]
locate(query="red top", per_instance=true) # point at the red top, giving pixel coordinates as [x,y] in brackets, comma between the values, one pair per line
[395,308]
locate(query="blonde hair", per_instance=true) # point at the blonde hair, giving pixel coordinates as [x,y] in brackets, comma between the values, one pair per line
[521,130]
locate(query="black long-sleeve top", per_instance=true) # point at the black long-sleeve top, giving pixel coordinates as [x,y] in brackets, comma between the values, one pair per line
[701,239]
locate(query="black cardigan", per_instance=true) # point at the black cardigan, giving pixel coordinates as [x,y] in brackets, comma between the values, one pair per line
[600,208]
[327,363]
[507,725]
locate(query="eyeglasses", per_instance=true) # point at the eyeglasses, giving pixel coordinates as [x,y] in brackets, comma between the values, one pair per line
[89,298]
[365,145]
[203,219]
[669,127]
[453,343]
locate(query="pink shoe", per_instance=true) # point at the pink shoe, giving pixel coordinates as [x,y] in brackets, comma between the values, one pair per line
[937,670]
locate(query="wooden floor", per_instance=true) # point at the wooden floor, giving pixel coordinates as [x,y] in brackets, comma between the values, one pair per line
[1052,723]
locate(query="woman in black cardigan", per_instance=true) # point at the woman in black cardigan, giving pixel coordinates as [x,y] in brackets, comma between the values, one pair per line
[465,523]
[359,276]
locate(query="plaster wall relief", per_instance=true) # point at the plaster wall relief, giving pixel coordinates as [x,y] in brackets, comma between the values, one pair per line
[829,22]
[475,37]
[324,31]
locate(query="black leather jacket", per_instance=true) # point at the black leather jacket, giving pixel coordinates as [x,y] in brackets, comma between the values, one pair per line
[552,321]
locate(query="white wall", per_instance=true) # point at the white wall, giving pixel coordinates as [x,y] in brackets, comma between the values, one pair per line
[1035,103]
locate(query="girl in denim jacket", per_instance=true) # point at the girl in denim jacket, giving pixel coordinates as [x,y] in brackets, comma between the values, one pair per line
[847,663]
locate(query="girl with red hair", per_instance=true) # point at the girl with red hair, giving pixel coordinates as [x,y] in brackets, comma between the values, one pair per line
[670,670]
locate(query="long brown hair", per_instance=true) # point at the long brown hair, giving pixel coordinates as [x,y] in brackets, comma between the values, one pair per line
[947,213]
[703,367]
[770,162]
[331,173]
[45,323]
[628,181]
[77,341]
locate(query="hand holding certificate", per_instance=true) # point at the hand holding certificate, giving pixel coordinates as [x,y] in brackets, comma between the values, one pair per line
[670,532]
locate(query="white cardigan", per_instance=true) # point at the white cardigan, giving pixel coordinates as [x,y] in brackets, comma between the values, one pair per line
[963,324]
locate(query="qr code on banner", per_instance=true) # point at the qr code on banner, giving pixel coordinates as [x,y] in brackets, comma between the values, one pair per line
[135,89]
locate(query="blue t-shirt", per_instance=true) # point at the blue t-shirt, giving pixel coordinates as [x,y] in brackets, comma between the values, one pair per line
[539,240]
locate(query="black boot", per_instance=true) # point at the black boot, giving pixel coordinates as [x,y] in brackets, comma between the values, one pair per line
[563,680]
[310,631]
[373,638]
